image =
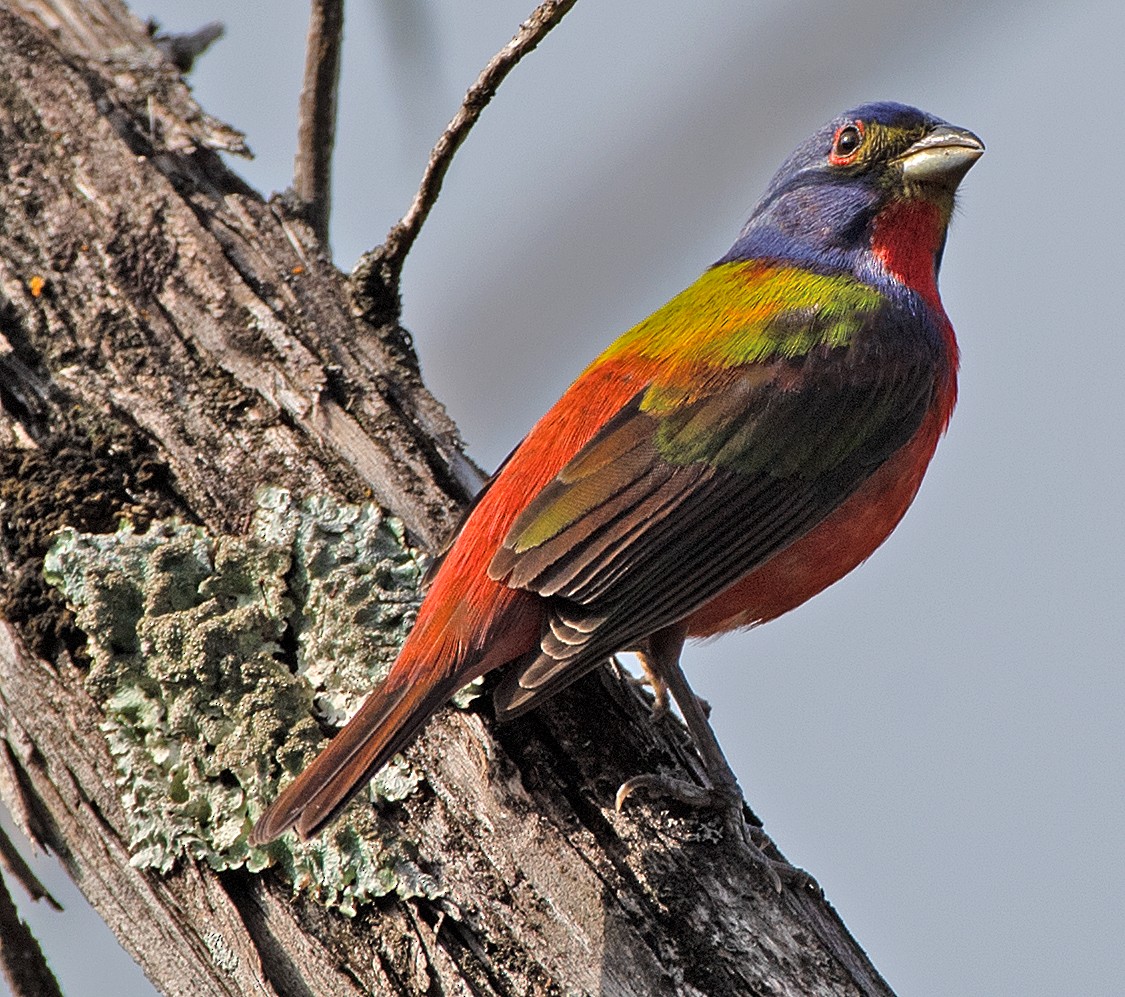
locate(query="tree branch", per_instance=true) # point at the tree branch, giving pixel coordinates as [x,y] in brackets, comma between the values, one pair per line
[12,862]
[22,962]
[375,278]
[316,121]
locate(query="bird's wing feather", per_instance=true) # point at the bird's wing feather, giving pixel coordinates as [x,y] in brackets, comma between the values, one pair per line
[686,490]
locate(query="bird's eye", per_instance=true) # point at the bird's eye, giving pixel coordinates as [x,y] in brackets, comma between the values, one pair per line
[846,143]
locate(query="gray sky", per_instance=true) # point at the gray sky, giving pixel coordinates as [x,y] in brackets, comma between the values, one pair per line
[938,738]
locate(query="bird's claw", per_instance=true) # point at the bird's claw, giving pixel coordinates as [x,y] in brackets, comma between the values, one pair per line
[661,785]
[652,679]
[728,801]
[661,704]
[778,871]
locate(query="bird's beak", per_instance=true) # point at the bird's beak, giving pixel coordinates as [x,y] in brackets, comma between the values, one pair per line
[941,157]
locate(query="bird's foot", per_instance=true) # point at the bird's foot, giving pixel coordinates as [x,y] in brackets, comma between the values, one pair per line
[660,659]
[661,785]
[727,801]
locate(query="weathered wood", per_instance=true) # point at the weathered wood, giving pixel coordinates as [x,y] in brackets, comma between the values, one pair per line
[170,344]
[175,294]
[22,963]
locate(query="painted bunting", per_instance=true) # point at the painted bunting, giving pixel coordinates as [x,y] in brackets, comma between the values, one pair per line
[738,451]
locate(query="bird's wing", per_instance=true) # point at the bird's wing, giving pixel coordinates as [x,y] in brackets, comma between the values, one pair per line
[689,488]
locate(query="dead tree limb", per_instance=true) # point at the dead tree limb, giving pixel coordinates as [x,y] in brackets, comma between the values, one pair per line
[316,114]
[22,963]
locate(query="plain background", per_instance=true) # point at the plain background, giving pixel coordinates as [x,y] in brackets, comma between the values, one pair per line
[939,737]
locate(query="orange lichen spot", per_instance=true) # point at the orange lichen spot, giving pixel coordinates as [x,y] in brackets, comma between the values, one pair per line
[298,269]
[36,285]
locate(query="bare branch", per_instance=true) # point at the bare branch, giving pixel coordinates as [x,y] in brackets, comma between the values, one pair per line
[12,862]
[316,125]
[22,963]
[376,276]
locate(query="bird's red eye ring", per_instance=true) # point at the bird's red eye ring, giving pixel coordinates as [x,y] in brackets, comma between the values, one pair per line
[846,143]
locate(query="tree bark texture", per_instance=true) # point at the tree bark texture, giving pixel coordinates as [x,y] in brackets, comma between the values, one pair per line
[169,344]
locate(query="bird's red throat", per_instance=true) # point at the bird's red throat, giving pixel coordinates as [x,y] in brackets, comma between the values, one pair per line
[906,240]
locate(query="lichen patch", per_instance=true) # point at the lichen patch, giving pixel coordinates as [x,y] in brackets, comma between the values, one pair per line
[212,654]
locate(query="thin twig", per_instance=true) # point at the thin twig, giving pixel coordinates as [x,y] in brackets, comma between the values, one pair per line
[316,123]
[183,49]
[22,963]
[377,274]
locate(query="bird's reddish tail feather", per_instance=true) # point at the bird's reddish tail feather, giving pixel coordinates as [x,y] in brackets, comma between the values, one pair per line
[434,663]
[388,720]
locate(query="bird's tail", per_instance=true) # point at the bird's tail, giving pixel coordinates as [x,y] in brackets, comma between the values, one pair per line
[388,721]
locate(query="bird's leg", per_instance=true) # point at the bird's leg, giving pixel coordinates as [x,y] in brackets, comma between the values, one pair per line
[655,682]
[662,662]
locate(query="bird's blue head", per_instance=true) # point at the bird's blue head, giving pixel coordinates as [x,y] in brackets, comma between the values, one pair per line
[822,205]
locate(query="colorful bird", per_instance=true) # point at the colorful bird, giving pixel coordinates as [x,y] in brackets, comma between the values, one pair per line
[738,451]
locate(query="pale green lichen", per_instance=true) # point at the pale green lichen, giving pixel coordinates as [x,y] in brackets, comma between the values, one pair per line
[191,637]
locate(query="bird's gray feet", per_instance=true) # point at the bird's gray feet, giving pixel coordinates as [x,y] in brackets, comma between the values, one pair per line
[727,802]
[660,659]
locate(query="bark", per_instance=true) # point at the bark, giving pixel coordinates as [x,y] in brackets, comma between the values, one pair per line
[169,343]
